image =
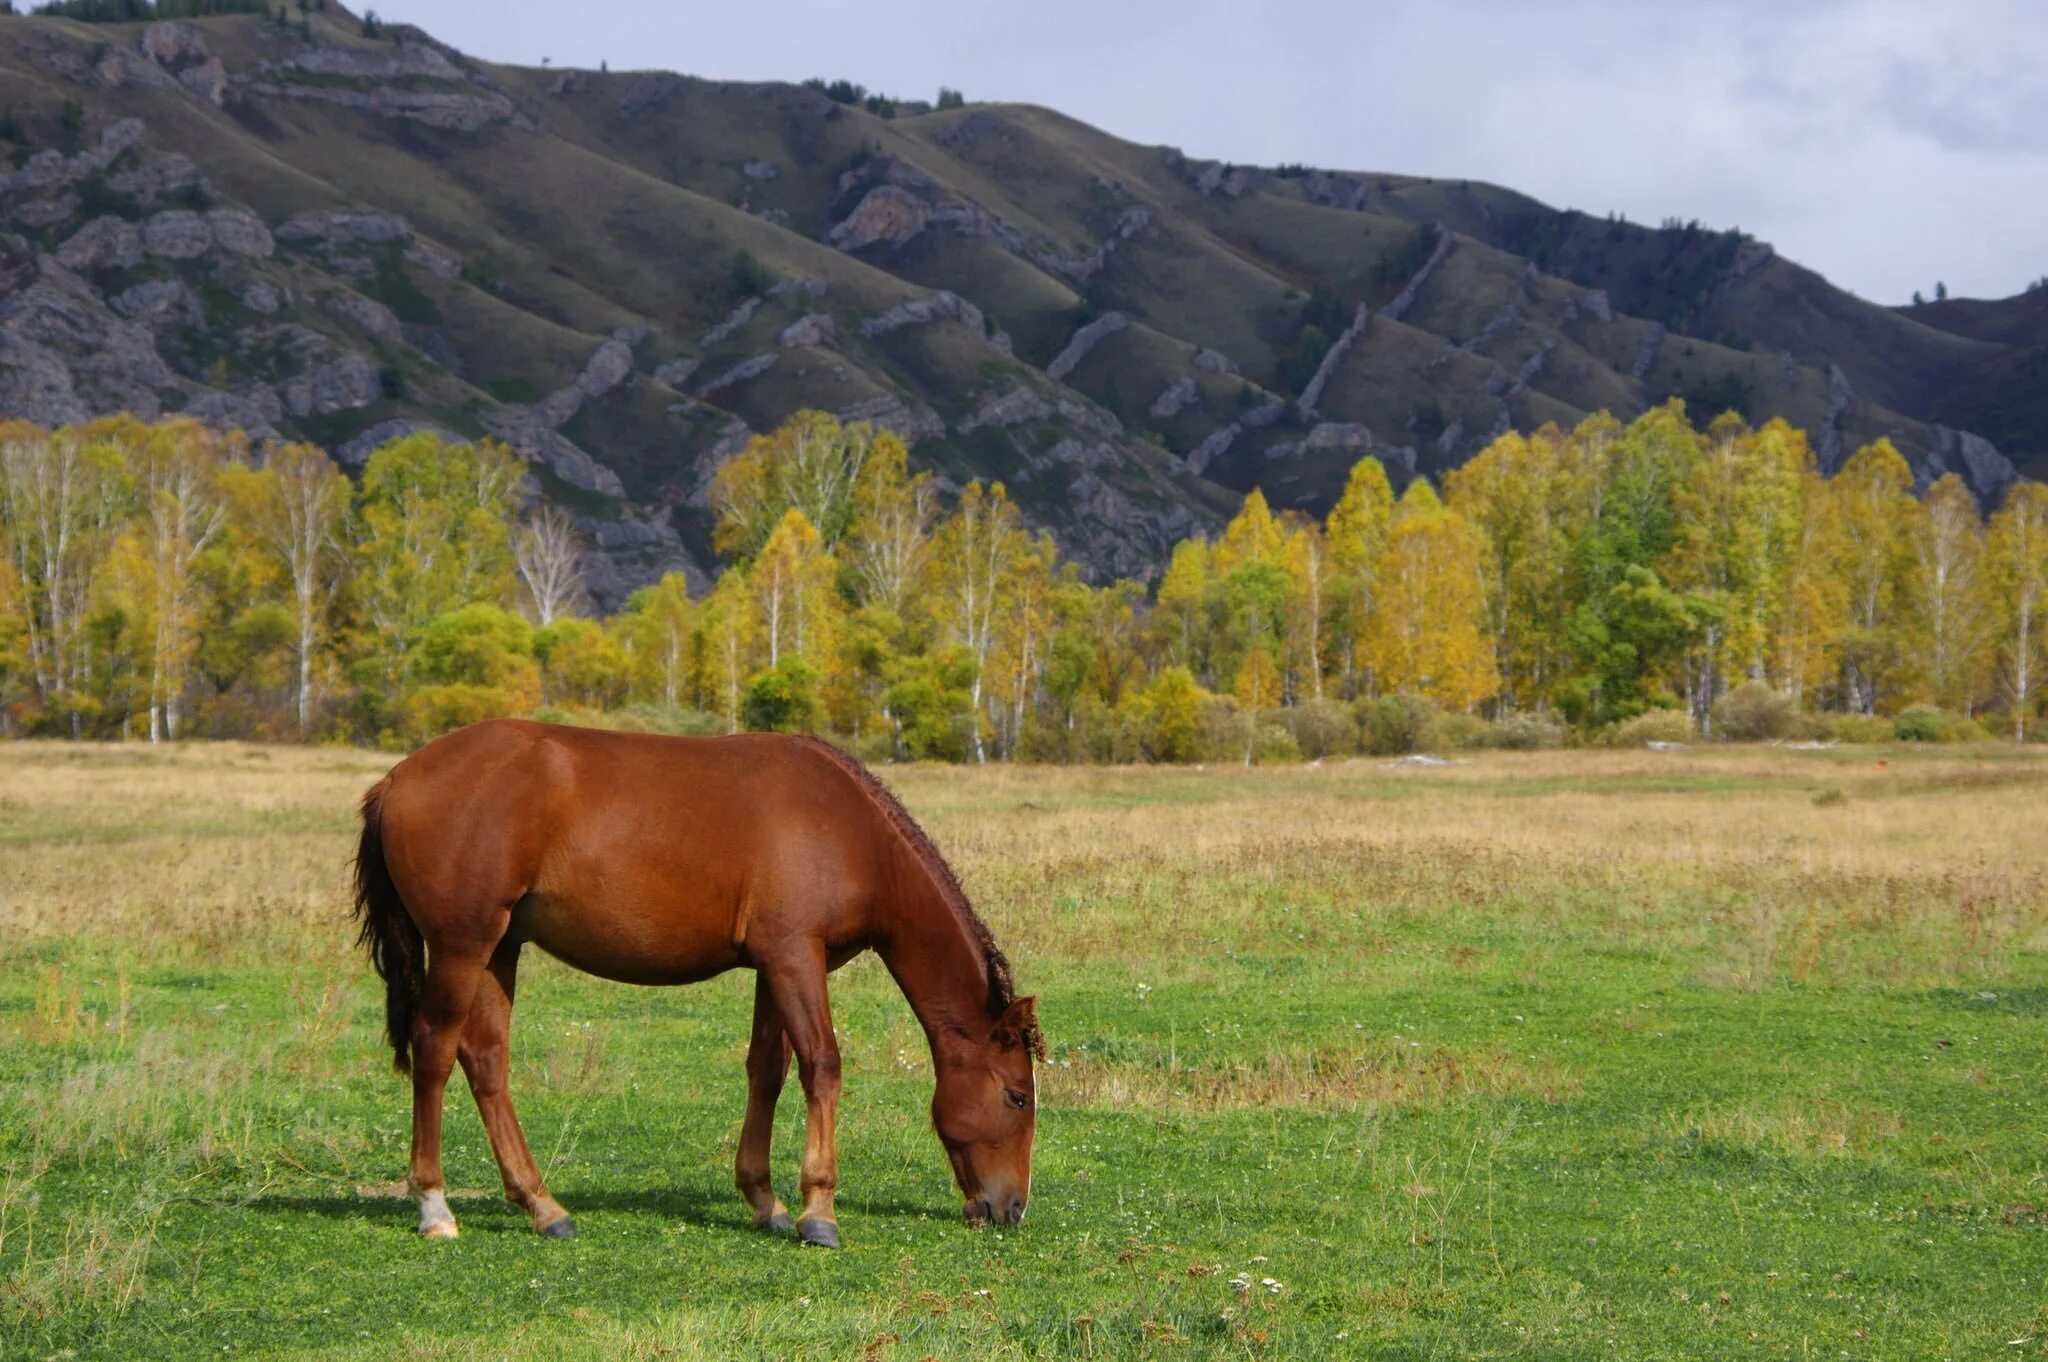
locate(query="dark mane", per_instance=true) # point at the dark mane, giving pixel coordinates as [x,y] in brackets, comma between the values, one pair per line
[1002,987]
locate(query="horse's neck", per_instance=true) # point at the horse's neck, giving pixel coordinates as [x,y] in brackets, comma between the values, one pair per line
[936,959]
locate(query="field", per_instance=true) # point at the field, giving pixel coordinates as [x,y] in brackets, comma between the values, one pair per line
[1716,1052]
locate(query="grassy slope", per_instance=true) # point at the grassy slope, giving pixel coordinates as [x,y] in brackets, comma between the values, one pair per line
[1575,1054]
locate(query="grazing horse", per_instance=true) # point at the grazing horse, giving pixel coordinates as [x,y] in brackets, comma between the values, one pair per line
[655,860]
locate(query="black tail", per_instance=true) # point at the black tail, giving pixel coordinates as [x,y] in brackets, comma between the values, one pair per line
[394,942]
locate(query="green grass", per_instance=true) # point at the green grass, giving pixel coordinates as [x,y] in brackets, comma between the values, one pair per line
[1561,1055]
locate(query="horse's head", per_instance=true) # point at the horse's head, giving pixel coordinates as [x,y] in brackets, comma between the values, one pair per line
[985,1109]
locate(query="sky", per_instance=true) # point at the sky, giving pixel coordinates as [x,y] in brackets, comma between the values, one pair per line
[1889,144]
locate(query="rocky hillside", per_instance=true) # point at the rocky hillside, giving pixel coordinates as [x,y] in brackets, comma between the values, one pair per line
[318,235]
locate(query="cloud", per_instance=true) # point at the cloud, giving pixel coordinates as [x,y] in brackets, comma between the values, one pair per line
[1885,143]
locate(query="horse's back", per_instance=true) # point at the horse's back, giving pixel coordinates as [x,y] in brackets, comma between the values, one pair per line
[646,858]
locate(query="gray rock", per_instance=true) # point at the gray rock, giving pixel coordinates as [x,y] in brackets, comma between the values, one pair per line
[888,214]
[345,226]
[177,235]
[606,368]
[1212,447]
[889,412]
[156,302]
[1405,299]
[42,214]
[260,298]
[1337,437]
[734,320]
[676,372]
[759,170]
[1014,406]
[107,243]
[1987,471]
[1361,322]
[1175,396]
[207,79]
[172,44]
[436,260]
[924,311]
[1214,362]
[1646,350]
[239,232]
[160,175]
[366,315]
[1084,340]
[812,329]
[357,450]
[339,383]
[746,371]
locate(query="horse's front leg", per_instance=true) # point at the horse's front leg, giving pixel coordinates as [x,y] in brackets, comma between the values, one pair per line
[798,985]
[767,1067]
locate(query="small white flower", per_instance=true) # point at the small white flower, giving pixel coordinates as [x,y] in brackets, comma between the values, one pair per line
[982,1291]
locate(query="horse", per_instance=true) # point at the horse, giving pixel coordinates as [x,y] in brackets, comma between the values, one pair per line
[667,860]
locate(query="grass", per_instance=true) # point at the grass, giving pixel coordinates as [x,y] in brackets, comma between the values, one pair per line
[1708,1053]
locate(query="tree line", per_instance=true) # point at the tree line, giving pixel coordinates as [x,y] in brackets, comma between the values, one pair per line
[165,579]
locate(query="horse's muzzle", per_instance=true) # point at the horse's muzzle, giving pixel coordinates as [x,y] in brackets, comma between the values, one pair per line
[995,1211]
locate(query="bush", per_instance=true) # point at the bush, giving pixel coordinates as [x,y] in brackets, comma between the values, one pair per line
[1273,744]
[1224,730]
[1322,728]
[1449,732]
[1522,732]
[1920,723]
[1657,725]
[784,699]
[1753,712]
[1857,728]
[1392,725]
[1967,730]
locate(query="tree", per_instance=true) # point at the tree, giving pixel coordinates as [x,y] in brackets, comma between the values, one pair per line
[1427,635]
[658,619]
[297,508]
[2016,562]
[890,536]
[1950,626]
[433,532]
[1356,531]
[792,579]
[63,499]
[183,508]
[550,556]
[1873,494]
[973,557]
[811,464]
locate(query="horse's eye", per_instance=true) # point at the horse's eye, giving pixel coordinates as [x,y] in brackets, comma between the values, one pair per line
[1017,1099]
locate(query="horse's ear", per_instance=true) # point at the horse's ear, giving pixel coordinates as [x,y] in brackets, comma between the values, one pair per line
[1019,1024]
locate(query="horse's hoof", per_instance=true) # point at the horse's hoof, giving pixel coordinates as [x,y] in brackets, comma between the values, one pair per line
[565,1228]
[818,1233]
[777,1224]
[442,1230]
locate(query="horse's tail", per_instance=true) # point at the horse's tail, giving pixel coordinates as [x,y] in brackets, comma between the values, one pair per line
[389,932]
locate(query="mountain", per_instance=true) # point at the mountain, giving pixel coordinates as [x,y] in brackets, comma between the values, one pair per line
[317,234]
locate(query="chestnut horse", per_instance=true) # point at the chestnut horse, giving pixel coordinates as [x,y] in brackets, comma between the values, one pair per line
[655,860]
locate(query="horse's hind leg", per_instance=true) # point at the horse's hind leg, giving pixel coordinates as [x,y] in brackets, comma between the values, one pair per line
[767,1067]
[451,986]
[485,1050]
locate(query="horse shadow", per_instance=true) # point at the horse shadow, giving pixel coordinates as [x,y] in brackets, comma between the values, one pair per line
[488,1212]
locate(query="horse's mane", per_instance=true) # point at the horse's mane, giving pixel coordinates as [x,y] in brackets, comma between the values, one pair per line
[1002,986]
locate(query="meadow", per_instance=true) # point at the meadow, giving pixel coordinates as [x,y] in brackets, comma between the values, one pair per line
[1714,1052]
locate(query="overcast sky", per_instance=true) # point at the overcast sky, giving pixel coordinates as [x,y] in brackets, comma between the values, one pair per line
[1886,143]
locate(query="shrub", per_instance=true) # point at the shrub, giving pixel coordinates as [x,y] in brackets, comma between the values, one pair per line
[1392,725]
[784,698]
[1273,744]
[1920,723]
[1967,730]
[1449,732]
[1224,730]
[433,710]
[1857,728]
[1518,731]
[1322,728]
[1753,712]
[1657,725]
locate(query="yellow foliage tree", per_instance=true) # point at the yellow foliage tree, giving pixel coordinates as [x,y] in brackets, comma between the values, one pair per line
[1427,635]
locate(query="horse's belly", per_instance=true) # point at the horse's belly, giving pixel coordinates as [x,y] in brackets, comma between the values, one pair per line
[634,943]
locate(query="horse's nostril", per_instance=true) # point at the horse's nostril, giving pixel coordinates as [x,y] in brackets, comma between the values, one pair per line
[1016,1210]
